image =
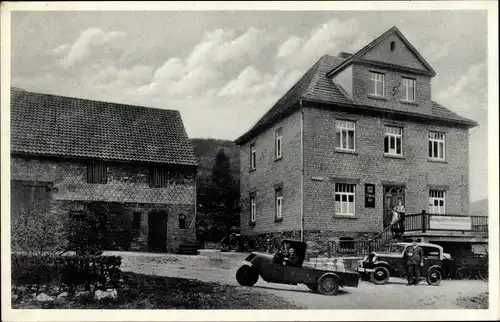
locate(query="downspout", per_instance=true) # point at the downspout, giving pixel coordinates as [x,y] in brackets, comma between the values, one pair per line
[301,172]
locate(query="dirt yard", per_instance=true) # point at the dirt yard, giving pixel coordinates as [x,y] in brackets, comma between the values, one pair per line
[394,295]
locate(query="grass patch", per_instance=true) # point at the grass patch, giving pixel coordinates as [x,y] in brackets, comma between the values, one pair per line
[479,302]
[141,291]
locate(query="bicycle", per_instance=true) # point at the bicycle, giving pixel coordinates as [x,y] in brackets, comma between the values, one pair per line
[480,271]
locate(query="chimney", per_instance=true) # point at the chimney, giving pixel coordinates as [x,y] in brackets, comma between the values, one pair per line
[344,55]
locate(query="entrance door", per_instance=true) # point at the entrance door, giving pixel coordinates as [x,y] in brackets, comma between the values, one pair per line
[391,196]
[157,231]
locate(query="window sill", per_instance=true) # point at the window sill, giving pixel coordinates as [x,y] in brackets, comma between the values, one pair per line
[345,216]
[394,156]
[278,159]
[337,150]
[252,170]
[437,160]
[376,97]
[408,102]
[251,223]
[278,219]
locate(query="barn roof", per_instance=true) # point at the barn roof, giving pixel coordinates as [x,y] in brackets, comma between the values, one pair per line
[51,125]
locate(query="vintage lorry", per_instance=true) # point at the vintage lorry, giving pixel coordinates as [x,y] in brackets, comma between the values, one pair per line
[275,269]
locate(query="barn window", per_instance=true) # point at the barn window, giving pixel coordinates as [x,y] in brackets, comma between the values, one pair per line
[182,221]
[97,172]
[158,178]
[136,221]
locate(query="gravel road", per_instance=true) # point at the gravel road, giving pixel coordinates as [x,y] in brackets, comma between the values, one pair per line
[222,268]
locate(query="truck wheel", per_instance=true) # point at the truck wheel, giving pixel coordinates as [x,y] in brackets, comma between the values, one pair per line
[313,287]
[380,276]
[434,277]
[328,284]
[247,275]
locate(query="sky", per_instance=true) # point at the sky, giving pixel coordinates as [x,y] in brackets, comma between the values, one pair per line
[223,70]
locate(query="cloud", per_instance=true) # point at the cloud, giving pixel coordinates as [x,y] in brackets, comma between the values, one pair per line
[434,51]
[200,72]
[89,39]
[328,38]
[468,94]
[289,47]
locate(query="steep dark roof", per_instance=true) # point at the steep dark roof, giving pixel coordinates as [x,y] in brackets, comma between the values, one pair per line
[316,86]
[50,125]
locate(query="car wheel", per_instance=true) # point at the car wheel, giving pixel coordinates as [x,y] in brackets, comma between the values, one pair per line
[313,287]
[380,275]
[328,284]
[434,277]
[247,275]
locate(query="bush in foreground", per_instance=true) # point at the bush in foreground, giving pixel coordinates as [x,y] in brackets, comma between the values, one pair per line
[154,292]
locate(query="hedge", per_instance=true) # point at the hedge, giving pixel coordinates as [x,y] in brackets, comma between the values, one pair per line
[92,272]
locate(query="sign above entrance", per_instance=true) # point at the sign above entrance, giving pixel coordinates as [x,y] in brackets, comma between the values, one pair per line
[369,195]
[437,222]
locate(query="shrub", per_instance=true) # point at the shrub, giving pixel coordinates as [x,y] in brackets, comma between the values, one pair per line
[92,272]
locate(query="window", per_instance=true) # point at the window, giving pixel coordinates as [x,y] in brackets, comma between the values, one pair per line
[253,208]
[278,143]
[393,46]
[345,135]
[347,245]
[136,221]
[393,141]
[344,199]
[279,203]
[158,178]
[437,201]
[409,86]
[253,160]
[97,172]
[376,84]
[182,221]
[436,145]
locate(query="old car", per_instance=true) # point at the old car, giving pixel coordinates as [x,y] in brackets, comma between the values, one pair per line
[380,266]
[275,269]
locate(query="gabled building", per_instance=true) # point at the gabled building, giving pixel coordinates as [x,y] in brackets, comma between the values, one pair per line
[354,135]
[135,163]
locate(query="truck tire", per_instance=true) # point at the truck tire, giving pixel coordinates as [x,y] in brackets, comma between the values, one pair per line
[380,276]
[328,284]
[247,275]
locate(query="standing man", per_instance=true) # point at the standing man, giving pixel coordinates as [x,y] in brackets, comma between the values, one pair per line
[414,257]
[399,212]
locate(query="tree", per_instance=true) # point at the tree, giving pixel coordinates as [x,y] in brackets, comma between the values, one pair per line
[219,195]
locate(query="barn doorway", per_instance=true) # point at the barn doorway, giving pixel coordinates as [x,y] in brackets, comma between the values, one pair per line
[157,231]
[391,196]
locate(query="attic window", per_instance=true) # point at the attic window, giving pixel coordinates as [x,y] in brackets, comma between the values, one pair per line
[393,46]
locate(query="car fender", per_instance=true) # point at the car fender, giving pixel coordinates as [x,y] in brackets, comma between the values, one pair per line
[382,263]
[439,268]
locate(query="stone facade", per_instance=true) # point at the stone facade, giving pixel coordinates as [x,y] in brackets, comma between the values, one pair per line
[127,190]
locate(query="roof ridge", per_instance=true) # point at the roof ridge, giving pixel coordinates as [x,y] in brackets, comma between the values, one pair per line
[19,90]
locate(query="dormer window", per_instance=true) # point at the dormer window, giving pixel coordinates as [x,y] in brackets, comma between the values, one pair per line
[409,87]
[376,84]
